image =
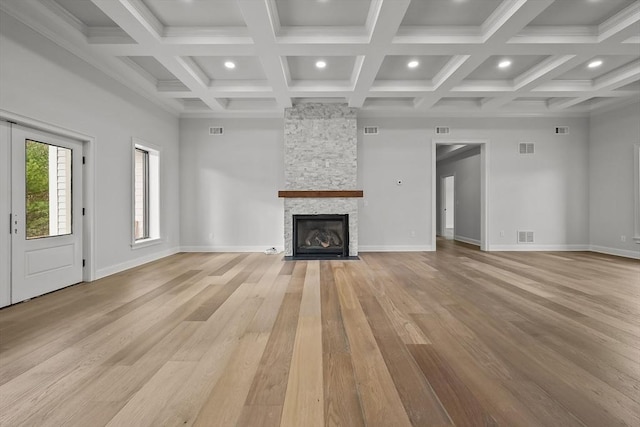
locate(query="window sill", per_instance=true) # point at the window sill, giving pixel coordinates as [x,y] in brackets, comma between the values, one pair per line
[139,244]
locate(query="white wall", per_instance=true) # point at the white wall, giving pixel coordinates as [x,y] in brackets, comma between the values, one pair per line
[42,81]
[392,216]
[611,176]
[466,169]
[546,192]
[230,183]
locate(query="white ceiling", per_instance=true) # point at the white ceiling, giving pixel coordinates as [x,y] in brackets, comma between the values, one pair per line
[173,52]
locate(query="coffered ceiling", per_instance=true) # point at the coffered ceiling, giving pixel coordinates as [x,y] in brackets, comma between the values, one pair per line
[216,58]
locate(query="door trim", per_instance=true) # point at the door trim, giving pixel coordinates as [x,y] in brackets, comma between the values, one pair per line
[484,187]
[88,177]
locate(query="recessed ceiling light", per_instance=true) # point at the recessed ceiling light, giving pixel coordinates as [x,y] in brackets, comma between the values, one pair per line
[595,64]
[230,65]
[504,64]
[321,64]
[413,64]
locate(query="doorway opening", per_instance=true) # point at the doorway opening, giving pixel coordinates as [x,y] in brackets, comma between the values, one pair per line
[459,191]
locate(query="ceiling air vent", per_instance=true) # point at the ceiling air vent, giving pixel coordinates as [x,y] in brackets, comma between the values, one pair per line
[526,148]
[562,130]
[525,236]
[371,130]
[443,130]
[218,130]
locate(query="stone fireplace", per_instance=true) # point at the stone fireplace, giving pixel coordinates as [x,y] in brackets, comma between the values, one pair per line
[320,168]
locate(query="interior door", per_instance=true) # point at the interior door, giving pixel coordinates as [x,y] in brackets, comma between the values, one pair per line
[46,213]
[448,211]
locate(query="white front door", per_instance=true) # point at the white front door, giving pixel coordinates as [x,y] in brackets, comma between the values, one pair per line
[46,213]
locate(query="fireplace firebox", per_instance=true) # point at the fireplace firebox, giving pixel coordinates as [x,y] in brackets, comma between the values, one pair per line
[320,236]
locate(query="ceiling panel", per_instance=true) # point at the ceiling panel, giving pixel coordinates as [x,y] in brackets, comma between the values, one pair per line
[366,57]
[609,63]
[580,12]
[331,13]
[394,67]
[196,13]
[489,70]
[635,86]
[449,12]
[87,13]
[304,67]
[247,67]
[391,102]
[153,67]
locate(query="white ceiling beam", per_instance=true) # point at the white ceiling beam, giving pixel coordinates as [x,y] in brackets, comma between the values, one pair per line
[511,17]
[119,49]
[261,19]
[456,70]
[47,20]
[506,21]
[134,18]
[620,27]
[137,21]
[603,103]
[563,103]
[620,77]
[543,72]
[384,20]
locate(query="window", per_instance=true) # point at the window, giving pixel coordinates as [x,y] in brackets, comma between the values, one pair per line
[48,190]
[141,188]
[146,192]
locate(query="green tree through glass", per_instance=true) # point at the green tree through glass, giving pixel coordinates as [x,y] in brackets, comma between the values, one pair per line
[37,181]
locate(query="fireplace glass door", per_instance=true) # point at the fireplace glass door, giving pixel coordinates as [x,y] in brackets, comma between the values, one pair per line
[320,236]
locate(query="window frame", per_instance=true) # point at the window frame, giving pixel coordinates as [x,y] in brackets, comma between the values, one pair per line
[636,192]
[152,215]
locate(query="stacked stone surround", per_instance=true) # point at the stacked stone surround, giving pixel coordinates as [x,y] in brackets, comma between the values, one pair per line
[320,153]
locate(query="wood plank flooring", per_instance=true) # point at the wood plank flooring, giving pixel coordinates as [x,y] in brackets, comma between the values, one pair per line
[456,337]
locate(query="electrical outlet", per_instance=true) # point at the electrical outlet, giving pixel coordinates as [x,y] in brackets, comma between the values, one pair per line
[623,238]
[501,233]
[413,233]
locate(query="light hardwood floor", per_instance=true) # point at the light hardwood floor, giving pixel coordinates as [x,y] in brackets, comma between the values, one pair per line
[456,337]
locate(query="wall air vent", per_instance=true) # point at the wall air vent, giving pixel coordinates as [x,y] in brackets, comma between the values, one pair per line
[526,148]
[371,130]
[218,130]
[443,130]
[525,236]
[562,130]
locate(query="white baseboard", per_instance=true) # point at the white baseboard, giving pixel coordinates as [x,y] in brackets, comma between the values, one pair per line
[539,248]
[396,248]
[108,271]
[228,248]
[468,240]
[614,251]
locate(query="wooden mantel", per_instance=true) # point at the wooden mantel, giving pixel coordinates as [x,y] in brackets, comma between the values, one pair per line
[290,194]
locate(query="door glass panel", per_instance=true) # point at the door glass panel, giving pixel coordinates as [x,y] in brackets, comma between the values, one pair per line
[48,190]
[141,195]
